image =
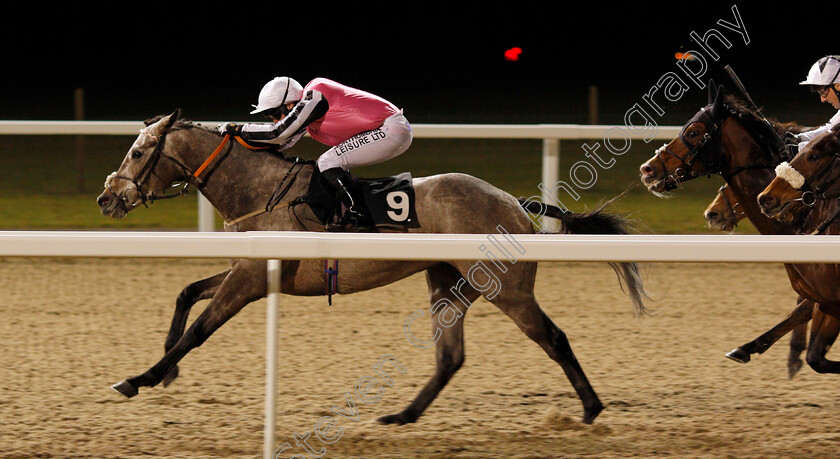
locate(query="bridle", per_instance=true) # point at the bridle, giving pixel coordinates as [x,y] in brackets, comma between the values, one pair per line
[712,160]
[145,173]
[148,170]
[811,193]
[732,215]
[814,188]
[694,150]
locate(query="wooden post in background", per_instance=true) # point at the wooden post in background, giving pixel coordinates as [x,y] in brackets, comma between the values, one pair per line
[593,105]
[79,115]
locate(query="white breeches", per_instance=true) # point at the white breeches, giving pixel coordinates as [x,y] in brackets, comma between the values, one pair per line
[371,147]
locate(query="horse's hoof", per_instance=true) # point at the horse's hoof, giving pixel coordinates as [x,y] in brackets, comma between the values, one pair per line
[590,414]
[793,367]
[738,355]
[125,388]
[170,377]
[398,419]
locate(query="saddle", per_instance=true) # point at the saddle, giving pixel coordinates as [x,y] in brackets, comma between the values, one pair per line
[389,201]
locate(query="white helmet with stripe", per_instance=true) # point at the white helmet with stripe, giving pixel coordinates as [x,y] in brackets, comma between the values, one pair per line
[276,93]
[824,72]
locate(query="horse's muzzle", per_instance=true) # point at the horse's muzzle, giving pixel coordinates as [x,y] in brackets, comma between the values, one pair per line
[110,205]
[717,221]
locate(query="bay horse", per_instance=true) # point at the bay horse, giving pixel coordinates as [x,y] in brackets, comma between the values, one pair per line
[729,139]
[806,193]
[723,214]
[240,182]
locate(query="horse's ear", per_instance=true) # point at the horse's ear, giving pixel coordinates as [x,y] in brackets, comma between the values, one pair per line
[717,108]
[173,118]
[712,91]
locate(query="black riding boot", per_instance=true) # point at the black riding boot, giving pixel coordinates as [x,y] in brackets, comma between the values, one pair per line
[355,218]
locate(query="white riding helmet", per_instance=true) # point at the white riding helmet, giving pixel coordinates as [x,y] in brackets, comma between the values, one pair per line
[824,72]
[277,92]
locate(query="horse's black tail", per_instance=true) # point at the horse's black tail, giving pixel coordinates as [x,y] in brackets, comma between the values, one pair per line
[599,221]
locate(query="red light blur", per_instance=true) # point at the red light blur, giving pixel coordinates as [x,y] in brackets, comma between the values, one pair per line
[513,54]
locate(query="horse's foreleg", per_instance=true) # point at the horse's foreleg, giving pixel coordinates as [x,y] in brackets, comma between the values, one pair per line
[824,330]
[450,342]
[240,287]
[800,315]
[190,295]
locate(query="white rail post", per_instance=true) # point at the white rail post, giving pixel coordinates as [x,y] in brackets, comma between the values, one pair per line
[550,176]
[271,333]
[206,214]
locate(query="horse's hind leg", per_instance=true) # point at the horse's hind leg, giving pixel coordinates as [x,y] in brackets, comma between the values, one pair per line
[798,343]
[824,330]
[450,342]
[531,319]
[800,315]
[515,297]
[189,296]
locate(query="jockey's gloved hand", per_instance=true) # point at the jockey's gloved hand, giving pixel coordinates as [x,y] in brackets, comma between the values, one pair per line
[791,141]
[230,128]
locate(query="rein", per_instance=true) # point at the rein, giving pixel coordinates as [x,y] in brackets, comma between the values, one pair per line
[279,192]
[148,170]
[733,214]
[827,222]
[713,132]
[274,201]
[218,150]
[812,193]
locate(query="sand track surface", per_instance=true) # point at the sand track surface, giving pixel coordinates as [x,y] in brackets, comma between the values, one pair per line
[69,328]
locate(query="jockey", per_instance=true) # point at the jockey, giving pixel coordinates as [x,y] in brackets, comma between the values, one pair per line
[824,79]
[361,129]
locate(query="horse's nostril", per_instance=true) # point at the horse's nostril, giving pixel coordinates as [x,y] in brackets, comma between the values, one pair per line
[646,170]
[712,216]
[103,201]
[767,201]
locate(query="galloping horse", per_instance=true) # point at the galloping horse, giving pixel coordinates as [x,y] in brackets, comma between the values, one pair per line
[805,192]
[727,138]
[239,183]
[721,214]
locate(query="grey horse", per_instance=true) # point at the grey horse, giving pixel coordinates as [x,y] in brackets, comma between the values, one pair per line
[239,183]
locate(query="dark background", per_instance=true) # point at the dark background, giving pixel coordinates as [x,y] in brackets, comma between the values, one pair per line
[441,62]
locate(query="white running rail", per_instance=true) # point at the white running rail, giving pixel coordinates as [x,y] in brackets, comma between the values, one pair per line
[551,135]
[275,246]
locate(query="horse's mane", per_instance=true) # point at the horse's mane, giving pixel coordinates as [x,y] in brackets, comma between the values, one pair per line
[750,115]
[184,124]
[755,123]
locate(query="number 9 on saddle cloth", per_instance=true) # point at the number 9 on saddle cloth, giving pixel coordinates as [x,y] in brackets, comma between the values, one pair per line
[389,200]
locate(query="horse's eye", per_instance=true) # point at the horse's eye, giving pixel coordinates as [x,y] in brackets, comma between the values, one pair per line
[814,157]
[692,134]
[136,154]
